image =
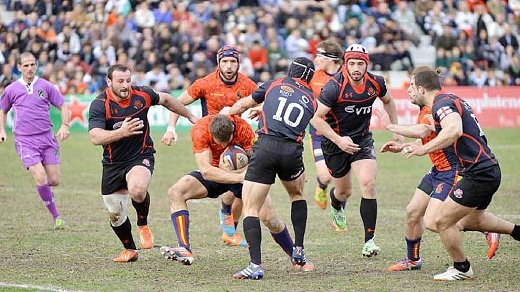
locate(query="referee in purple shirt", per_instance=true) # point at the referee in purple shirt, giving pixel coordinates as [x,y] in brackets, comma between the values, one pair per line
[35,143]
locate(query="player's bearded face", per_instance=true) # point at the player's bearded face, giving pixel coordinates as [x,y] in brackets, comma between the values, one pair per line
[120,84]
[356,69]
[228,68]
[412,92]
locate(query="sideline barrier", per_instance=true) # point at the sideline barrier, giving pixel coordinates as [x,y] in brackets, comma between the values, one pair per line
[495,107]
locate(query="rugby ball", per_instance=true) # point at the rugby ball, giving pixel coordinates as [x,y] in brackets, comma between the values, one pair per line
[236,156]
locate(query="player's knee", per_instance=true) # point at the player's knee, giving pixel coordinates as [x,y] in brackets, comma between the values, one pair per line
[430,224]
[412,214]
[138,192]
[440,224]
[54,182]
[369,190]
[175,193]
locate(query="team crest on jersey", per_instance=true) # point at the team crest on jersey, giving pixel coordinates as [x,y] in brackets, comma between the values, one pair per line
[371,91]
[138,104]
[287,89]
[40,93]
[458,193]
[146,162]
[438,190]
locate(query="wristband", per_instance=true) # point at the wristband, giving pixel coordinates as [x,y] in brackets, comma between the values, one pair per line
[170,129]
[66,124]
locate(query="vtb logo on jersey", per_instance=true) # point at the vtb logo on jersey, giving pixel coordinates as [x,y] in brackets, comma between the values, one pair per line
[363,110]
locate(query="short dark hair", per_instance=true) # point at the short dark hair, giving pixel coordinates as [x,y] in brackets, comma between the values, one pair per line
[221,128]
[117,67]
[427,78]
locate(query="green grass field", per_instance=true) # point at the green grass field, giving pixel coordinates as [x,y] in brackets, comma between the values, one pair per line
[34,257]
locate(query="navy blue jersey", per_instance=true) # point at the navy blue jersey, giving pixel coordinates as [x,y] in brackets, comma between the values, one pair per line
[471,148]
[106,113]
[351,105]
[287,110]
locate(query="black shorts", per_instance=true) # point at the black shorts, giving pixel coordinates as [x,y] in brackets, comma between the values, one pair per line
[339,162]
[475,190]
[275,156]
[114,175]
[216,189]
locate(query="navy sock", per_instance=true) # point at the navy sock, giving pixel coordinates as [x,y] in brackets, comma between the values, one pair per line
[284,240]
[412,247]
[322,185]
[226,209]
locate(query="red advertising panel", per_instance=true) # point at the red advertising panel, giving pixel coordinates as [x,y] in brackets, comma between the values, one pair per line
[495,107]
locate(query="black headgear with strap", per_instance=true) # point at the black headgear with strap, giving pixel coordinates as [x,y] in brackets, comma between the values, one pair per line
[302,68]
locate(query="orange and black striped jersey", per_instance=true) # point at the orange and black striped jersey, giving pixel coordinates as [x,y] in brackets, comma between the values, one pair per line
[201,138]
[351,105]
[108,114]
[214,94]
[441,160]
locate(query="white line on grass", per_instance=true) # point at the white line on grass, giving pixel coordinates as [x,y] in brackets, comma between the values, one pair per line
[29,286]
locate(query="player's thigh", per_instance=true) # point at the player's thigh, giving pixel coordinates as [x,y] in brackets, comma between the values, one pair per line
[294,187]
[138,179]
[188,187]
[343,185]
[253,197]
[365,171]
[431,212]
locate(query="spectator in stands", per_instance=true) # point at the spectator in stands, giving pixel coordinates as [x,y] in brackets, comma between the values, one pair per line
[162,13]
[258,57]
[514,71]
[144,17]
[477,77]
[509,39]
[296,46]
[492,80]
[447,40]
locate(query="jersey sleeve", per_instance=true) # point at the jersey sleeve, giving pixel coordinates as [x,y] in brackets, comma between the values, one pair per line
[97,116]
[5,101]
[259,95]
[330,93]
[442,108]
[55,96]
[198,88]
[154,95]
[382,85]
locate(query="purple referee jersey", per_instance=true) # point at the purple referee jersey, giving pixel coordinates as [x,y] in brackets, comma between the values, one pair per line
[31,103]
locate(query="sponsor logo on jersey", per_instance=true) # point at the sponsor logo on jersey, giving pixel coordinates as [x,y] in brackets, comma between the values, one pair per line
[363,110]
[287,89]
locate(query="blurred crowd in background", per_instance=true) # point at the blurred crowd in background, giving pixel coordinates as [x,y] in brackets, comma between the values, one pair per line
[171,43]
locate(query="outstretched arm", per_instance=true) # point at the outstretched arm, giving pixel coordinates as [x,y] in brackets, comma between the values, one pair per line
[128,128]
[170,135]
[63,132]
[242,105]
